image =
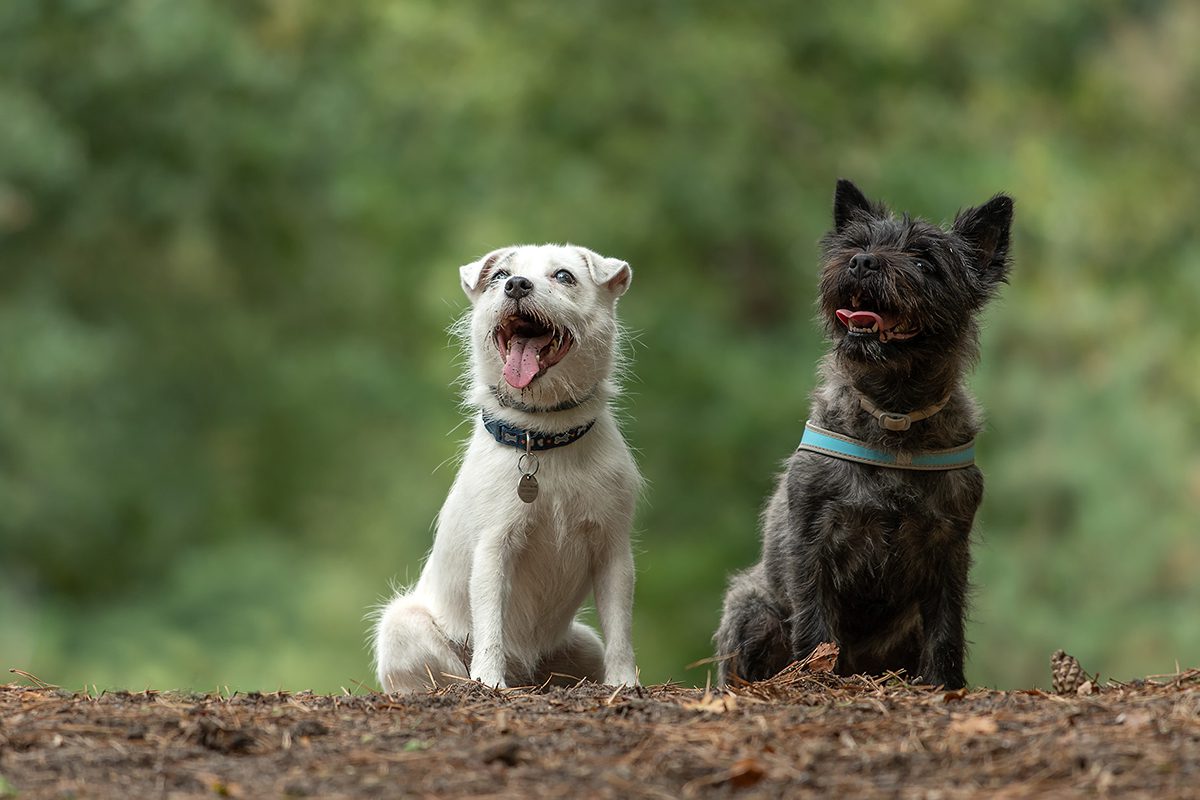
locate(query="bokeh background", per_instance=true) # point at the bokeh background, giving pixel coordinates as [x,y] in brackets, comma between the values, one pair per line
[229,233]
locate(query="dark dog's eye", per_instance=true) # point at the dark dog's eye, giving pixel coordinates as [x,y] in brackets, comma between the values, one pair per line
[564,277]
[500,275]
[924,264]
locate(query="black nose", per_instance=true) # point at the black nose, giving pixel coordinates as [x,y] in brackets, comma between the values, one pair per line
[517,287]
[863,262]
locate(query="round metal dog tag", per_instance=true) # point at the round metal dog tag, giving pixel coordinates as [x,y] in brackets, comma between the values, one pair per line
[527,488]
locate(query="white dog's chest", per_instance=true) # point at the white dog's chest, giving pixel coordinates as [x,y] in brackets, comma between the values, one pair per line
[551,573]
[550,548]
[552,545]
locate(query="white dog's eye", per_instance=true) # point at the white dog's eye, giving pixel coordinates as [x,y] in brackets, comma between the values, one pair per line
[564,277]
[500,275]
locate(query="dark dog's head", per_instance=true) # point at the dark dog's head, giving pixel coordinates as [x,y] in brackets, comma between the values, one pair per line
[902,295]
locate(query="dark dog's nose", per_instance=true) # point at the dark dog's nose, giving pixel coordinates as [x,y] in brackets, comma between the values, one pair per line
[517,287]
[863,262]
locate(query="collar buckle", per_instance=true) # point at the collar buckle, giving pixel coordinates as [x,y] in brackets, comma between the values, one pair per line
[891,421]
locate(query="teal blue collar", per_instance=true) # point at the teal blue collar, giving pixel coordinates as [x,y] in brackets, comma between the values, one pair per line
[819,440]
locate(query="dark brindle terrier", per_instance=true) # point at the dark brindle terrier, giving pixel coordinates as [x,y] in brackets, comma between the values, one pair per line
[865,540]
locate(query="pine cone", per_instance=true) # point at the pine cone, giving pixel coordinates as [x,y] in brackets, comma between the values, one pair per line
[1068,675]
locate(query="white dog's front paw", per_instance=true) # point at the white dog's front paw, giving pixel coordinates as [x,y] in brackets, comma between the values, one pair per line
[489,673]
[624,675]
[490,678]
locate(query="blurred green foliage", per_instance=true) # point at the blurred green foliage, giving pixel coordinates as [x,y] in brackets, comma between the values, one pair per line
[228,240]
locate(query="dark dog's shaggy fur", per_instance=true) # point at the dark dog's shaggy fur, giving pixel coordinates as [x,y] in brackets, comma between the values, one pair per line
[872,558]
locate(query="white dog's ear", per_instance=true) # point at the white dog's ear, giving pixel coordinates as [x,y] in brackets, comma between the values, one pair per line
[612,273]
[474,275]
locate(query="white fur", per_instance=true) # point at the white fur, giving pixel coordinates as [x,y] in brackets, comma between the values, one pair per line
[505,579]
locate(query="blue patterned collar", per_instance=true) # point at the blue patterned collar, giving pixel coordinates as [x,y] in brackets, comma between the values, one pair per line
[837,445]
[532,441]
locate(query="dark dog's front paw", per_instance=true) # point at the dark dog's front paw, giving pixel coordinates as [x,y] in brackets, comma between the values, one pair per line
[953,680]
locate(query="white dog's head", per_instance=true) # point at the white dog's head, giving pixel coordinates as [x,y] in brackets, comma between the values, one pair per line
[543,330]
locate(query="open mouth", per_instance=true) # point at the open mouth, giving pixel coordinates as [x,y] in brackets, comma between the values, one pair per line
[888,327]
[529,346]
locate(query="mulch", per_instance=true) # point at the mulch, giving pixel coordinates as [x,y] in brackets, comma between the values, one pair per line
[804,733]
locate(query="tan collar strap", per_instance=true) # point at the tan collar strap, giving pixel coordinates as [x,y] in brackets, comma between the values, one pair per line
[891,421]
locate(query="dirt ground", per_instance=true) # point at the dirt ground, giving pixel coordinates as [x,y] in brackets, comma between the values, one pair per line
[802,734]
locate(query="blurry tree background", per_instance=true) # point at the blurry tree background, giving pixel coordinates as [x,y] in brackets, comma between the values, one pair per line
[229,233]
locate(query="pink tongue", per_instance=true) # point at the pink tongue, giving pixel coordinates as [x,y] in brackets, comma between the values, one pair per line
[521,366]
[864,319]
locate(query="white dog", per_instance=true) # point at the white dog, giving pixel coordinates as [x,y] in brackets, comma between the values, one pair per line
[541,511]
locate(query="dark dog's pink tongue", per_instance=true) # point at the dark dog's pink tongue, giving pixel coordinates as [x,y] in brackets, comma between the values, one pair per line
[864,319]
[521,365]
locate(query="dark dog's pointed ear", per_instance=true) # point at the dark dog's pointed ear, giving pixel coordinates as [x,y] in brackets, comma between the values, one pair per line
[986,229]
[849,202]
[474,275]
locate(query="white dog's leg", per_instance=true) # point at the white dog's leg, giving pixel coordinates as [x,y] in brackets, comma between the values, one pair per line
[410,647]
[613,587]
[580,656]
[491,583]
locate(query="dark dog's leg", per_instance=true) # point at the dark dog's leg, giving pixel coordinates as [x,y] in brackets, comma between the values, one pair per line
[943,618]
[753,640]
[810,628]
